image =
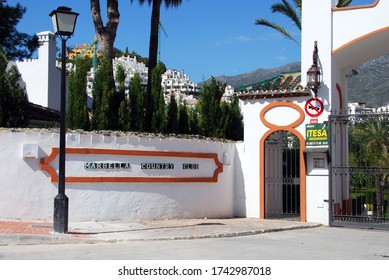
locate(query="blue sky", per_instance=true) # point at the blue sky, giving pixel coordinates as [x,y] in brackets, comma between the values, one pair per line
[205,37]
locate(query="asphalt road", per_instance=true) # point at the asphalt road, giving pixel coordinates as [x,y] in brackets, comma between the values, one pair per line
[322,243]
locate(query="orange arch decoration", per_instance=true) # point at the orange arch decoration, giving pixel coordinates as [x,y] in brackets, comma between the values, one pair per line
[274,128]
[384,29]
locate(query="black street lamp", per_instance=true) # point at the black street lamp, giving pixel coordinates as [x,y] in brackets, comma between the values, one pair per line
[64,21]
[313,73]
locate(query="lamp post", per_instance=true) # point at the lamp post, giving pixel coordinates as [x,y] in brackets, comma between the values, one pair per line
[64,21]
[313,73]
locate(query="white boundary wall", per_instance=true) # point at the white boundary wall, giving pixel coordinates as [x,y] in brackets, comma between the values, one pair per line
[27,194]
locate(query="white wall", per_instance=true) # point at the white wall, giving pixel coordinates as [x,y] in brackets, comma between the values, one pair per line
[26,192]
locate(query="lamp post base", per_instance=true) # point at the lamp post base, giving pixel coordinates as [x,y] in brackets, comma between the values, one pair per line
[61,213]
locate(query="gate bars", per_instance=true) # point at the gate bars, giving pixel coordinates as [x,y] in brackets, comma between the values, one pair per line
[359,170]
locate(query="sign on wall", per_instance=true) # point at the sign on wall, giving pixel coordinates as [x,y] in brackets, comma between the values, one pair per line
[314,107]
[90,165]
[316,134]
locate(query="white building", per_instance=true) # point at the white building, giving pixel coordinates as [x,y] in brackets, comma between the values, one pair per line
[178,83]
[41,76]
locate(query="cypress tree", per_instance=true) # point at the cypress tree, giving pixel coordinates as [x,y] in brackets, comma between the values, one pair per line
[158,118]
[194,121]
[118,106]
[136,103]
[234,130]
[209,108]
[183,119]
[103,90]
[172,115]
[77,115]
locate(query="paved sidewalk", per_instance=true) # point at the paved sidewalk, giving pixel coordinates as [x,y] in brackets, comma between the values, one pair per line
[121,231]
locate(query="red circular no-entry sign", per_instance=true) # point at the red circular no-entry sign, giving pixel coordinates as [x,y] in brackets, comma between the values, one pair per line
[314,107]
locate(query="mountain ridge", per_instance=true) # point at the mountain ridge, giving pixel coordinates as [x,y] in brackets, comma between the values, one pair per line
[370,86]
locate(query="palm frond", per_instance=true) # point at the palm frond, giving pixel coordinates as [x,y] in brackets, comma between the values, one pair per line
[286,9]
[276,27]
[344,3]
[298,4]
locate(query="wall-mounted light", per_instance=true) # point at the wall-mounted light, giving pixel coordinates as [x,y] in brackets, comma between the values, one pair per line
[313,73]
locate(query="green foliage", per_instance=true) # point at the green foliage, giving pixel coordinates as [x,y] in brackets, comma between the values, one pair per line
[13,98]
[172,116]
[209,108]
[77,114]
[218,118]
[183,119]
[117,101]
[194,127]
[137,103]
[158,102]
[234,126]
[369,144]
[123,122]
[14,44]
[103,91]
[124,116]
[293,13]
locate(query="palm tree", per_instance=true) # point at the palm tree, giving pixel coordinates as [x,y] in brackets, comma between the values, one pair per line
[293,13]
[153,47]
[370,148]
[106,34]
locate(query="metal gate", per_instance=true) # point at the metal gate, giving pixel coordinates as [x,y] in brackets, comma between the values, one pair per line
[359,177]
[282,176]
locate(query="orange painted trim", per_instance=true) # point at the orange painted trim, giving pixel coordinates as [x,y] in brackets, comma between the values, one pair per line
[44,165]
[356,7]
[274,128]
[359,39]
[339,89]
[282,104]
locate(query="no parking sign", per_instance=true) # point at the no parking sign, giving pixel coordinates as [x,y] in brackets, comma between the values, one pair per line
[314,107]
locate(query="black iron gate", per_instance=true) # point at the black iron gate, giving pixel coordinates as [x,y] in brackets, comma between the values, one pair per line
[359,177]
[282,176]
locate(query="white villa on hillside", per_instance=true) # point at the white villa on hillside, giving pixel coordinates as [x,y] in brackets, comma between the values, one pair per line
[178,83]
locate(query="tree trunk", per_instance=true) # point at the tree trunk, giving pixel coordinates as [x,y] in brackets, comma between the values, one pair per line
[106,34]
[153,54]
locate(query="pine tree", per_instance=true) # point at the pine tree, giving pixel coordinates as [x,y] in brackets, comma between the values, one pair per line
[77,115]
[14,44]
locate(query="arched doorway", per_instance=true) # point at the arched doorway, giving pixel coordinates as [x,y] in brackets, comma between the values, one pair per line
[282,176]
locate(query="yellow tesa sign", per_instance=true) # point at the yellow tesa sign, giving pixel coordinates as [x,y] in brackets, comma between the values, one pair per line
[316,134]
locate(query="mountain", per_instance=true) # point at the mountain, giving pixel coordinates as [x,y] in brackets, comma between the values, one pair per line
[257,75]
[371,85]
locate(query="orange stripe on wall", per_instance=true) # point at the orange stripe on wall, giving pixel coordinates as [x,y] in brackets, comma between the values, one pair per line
[44,165]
